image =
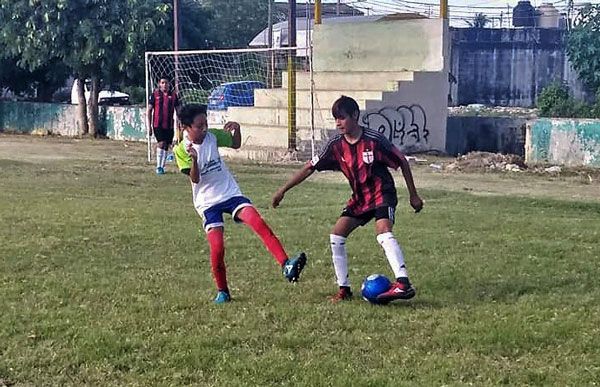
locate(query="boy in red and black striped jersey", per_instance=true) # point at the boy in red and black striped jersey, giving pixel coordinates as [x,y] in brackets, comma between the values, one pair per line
[363,156]
[161,109]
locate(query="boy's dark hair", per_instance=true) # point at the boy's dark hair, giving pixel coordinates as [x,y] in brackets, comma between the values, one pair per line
[187,113]
[344,107]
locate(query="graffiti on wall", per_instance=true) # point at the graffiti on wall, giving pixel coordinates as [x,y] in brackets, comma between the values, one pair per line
[404,126]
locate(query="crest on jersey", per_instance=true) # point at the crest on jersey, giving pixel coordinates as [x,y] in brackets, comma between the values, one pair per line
[368,157]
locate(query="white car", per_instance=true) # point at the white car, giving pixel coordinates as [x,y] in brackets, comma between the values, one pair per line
[105,97]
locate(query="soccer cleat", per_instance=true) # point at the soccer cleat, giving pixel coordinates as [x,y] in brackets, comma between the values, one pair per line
[400,290]
[344,294]
[293,267]
[160,171]
[222,297]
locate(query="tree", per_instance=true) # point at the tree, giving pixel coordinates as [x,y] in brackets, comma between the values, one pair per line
[39,85]
[95,39]
[235,23]
[195,23]
[479,21]
[583,46]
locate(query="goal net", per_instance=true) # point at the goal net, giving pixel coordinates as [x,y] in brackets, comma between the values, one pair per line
[249,86]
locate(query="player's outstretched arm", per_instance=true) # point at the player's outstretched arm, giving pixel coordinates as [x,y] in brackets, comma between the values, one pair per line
[194,172]
[415,201]
[236,134]
[296,179]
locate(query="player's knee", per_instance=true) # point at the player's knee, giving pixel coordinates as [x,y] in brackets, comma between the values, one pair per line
[383,226]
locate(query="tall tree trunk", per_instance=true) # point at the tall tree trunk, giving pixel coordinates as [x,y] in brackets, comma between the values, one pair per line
[44,93]
[82,120]
[93,106]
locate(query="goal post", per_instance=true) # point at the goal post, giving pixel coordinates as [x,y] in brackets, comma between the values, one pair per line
[245,85]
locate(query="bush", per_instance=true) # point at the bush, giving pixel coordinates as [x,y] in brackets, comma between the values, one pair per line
[137,94]
[556,101]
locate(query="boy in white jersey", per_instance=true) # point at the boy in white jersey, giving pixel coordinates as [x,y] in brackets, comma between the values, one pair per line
[215,191]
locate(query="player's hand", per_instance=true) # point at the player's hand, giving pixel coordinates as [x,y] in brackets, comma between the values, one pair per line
[192,152]
[277,198]
[231,127]
[416,203]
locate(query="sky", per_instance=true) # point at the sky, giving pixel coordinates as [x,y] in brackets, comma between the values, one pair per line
[461,11]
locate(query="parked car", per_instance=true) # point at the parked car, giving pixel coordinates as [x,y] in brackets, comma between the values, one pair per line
[105,97]
[233,94]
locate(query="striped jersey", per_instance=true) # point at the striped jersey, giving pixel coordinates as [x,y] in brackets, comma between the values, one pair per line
[365,164]
[163,105]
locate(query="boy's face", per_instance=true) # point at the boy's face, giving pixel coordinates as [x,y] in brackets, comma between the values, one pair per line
[163,85]
[346,123]
[197,131]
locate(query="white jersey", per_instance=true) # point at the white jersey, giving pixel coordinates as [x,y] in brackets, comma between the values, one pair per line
[216,183]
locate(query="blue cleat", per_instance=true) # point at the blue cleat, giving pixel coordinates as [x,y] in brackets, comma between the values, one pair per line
[293,267]
[160,171]
[222,297]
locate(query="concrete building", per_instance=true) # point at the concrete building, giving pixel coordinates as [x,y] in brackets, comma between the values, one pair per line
[396,67]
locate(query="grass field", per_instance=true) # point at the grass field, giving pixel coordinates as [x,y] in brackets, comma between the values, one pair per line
[104,280]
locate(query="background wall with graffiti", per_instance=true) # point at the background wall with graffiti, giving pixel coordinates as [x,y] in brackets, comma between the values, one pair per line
[414,117]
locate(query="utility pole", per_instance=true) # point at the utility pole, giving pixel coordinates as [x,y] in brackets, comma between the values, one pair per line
[270,25]
[291,69]
[270,65]
[444,9]
[176,36]
[318,11]
[569,13]
[337,8]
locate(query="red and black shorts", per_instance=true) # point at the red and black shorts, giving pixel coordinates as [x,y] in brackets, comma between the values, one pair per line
[384,212]
[164,135]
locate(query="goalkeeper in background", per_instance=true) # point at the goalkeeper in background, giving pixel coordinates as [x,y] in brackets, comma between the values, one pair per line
[215,191]
[161,108]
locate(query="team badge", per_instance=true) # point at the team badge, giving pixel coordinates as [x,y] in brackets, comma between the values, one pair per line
[368,157]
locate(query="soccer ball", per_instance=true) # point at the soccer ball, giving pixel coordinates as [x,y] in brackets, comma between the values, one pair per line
[374,285]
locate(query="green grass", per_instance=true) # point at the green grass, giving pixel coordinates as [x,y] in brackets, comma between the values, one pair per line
[104,280]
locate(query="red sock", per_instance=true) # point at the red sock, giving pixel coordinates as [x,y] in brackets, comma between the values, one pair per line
[217,257]
[252,218]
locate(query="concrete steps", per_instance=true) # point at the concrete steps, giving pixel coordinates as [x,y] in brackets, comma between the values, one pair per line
[323,99]
[264,125]
[278,116]
[344,81]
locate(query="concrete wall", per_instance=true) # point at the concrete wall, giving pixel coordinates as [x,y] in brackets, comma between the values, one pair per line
[124,122]
[409,62]
[400,45]
[27,117]
[489,134]
[116,122]
[508,67]
[414,117]
[573,142]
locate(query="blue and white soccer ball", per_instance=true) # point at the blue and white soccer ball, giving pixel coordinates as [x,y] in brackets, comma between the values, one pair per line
[374,285]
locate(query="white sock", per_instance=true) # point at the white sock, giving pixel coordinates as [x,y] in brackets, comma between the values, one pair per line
[340,259]
[393,252]
[163,161]
[160,157]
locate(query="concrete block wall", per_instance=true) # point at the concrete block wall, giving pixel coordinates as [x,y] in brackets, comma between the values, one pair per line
[572,142]
[116,122]
[504,135]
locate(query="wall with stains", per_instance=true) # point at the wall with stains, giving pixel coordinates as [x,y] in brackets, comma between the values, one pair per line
[116,122]
[573,142]
[387,45]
